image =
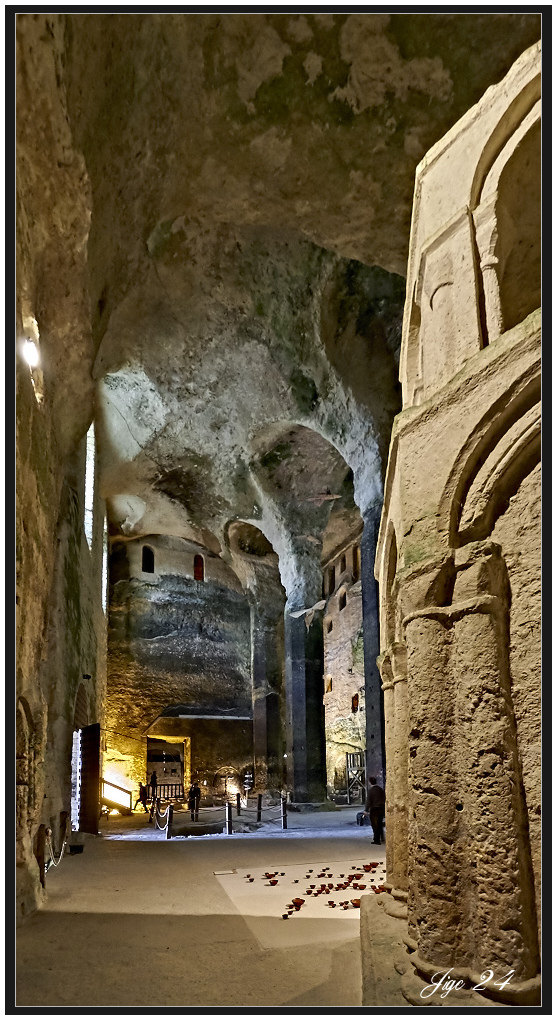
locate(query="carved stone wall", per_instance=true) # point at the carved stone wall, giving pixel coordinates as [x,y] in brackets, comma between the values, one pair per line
[61,628]
[179,657]
[344,679]
[458,561]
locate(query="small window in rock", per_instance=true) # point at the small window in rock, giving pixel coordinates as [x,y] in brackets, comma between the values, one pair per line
[342,564]
[30,350]
[147,560]
[342,601]
[89,485]
[198,568]
[329,685]
[329,626]
[355,702]
[356,562]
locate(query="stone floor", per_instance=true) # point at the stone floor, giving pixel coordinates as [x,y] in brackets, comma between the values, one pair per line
[140,921]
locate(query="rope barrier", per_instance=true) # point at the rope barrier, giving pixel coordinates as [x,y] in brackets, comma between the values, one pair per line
[159,816]
[51,849]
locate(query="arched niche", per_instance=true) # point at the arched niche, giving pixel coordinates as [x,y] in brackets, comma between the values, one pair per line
[501,451]
[507,218]
[518,214]
[147,560]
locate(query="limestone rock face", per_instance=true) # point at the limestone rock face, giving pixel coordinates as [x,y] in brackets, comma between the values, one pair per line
[314,123]
[212,231]
[248,171]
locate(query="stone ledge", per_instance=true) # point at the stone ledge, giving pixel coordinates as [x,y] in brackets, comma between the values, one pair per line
[382,950]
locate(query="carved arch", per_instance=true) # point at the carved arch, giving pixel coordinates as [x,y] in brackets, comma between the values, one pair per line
[503,449]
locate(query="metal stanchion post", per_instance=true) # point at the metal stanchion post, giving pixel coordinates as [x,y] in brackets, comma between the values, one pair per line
[169,823]
[228,818]
[283,812]
[237,803]
[259,803]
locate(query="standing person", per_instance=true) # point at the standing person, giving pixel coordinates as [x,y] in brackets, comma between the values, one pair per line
[142,799]
[375,808]
[194,797]
[153,785]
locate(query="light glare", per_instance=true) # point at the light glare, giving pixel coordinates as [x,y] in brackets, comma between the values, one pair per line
[31,353]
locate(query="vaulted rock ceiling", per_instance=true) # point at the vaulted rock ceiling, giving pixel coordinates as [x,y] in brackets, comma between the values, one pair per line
[226,198]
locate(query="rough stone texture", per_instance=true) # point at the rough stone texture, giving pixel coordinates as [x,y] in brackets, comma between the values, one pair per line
[177,647]
[61,631]
[239,167]
[458,560]
[211,210]
[518,532]
[345,729]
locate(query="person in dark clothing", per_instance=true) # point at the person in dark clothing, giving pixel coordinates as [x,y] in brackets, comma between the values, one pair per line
[375,808]
[153,785]
[142,799]
[194,797]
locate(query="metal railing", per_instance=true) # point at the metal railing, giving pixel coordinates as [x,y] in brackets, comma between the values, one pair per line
[258,811]
[168,791]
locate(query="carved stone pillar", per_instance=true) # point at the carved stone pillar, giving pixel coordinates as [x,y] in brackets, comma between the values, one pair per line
[400,770]
[385,668]
[486,239]
[375,750]
[266,677]
[393,672]
[471,901]
[305,723]
[492,810]
[434,859]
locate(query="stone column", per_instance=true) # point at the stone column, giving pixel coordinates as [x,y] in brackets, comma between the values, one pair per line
[471,893]
[491,808]
[486,239]
[375,748]
[306,767]
[266,676]
[434,864]
[385,668]
[399,784]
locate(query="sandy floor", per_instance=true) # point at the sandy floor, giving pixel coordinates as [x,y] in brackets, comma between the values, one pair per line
[140,921]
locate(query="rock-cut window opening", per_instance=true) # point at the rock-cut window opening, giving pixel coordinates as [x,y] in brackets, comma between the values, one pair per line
[198,568]
[89,485]
[147,560]
[342,600]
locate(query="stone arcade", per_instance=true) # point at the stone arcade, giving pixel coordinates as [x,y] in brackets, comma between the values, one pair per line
[278,444]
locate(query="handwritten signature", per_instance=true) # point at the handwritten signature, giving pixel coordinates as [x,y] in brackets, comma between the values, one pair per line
[444,983]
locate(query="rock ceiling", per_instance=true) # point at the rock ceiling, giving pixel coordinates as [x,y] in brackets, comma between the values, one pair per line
[234,191]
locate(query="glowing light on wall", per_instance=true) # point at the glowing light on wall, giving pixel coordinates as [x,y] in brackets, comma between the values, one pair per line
[89,485]
[75,802]
[31,353]
[116,795]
